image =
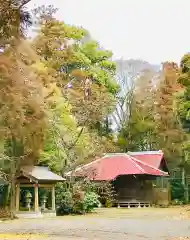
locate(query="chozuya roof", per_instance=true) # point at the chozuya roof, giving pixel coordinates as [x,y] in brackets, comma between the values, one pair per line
[112,165]
[40,173]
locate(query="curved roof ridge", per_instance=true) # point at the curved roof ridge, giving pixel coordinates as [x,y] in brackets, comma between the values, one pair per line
[145,152]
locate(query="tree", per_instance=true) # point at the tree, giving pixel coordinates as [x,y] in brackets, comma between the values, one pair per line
[127,73]
[15,19]
[169,132]
[138,133]
[17,106]
[153,123]
[74,61]
[183,104]
[23,111]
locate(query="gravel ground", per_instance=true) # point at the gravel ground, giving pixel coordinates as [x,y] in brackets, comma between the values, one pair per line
[106,224]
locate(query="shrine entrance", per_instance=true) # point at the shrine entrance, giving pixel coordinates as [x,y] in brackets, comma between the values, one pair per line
[35,192]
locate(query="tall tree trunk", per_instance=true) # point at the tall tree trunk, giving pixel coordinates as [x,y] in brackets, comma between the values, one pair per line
[12,193]
[185,185]
[14,165]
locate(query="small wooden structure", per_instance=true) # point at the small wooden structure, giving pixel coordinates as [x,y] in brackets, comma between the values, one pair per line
[36,177]
[134,190]
[132,175]
[161,192]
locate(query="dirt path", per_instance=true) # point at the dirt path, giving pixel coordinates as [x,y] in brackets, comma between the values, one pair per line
[107,224]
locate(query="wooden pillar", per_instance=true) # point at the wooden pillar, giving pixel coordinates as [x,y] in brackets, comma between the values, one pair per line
[17,197]
[53,198]
[36,204]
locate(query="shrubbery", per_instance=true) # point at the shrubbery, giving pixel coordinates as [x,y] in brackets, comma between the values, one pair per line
[91,201]
[177,189]
[177,192]
[75,199]
[107,194]
[83,196]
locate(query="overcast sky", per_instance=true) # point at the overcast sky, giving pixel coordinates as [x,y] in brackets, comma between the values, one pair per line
[152,30]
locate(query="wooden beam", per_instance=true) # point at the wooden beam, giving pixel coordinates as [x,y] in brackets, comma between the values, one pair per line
[26,185]
[24,181]
[39,185]
[46,185]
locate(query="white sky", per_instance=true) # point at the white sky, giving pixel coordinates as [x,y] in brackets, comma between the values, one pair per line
[152,30]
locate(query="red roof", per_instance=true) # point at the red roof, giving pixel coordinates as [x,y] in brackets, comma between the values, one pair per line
[154,158]
[111,166]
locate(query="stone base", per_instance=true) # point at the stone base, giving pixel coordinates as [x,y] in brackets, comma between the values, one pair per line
[49,213]
[27,214]
[32,214]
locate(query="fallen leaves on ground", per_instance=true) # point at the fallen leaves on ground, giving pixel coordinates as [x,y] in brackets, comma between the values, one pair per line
[180,238]
[11,236]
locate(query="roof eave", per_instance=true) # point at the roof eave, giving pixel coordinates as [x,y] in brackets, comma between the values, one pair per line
[37,180]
